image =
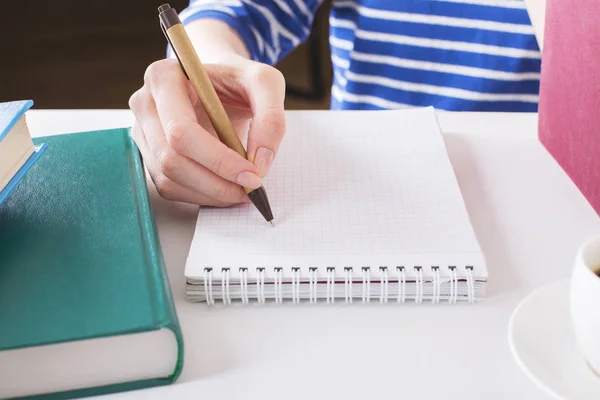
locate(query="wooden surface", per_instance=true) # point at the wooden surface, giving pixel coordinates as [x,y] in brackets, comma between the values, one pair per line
[85,55]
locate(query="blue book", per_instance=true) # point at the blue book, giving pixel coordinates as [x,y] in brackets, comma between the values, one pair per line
[17,151]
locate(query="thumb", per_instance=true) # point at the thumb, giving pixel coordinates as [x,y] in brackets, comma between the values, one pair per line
[265,88]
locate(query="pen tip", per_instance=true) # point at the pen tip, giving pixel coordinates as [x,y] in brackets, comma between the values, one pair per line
[272,222]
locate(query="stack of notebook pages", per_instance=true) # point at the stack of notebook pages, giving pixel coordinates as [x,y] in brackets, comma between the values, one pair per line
[367,208]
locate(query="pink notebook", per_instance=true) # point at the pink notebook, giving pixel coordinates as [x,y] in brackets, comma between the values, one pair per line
[569,107]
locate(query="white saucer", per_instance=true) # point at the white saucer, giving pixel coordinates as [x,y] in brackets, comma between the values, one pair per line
[542,342]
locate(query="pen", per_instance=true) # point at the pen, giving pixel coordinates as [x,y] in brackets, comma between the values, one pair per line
[193,69]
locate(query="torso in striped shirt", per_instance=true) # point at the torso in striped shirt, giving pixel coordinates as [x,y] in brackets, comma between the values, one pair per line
[459,55]
[472,55]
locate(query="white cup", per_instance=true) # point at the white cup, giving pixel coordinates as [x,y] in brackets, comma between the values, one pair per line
[585,302]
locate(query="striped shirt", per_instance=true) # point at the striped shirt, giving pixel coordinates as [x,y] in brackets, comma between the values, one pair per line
[456,55]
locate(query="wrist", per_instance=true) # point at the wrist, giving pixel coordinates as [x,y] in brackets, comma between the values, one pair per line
[216,42]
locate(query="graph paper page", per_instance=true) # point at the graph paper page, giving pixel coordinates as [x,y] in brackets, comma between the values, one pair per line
[367,188]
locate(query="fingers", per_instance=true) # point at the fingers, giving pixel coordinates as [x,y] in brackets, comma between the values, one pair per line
[165,187]
[186,161]
[265,88]
[169,90]
[171,190]
[176,176]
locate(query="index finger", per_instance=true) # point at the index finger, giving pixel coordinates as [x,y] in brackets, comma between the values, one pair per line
[266,94]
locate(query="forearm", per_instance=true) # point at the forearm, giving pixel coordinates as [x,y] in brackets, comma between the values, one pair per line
[215,41]
[259,30]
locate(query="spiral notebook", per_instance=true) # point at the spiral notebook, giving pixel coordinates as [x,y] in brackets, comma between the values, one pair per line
[367,208]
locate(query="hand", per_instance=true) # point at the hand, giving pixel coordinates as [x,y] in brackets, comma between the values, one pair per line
[185,159]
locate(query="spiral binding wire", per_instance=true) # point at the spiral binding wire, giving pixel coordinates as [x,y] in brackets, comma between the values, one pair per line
[419,285]
[244,285]
[260,285]
[330,285]
[435,298]
[383,296]
[366,292]
[330,295]
[225,293]
[453,284]
[470,284]
[296,285]
[312,288]
[348,284]
[208,284]
[401,285]
[278,285]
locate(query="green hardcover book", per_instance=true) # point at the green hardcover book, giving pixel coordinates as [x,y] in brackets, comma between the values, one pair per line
[85,302]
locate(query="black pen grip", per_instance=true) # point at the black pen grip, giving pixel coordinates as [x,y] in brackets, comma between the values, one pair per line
[168,16]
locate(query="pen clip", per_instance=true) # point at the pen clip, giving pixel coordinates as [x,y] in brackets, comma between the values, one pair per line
[162,28]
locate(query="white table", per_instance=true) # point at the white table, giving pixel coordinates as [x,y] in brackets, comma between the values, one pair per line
[529,219]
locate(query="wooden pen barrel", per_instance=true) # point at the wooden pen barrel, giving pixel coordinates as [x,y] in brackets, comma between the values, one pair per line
[205,90]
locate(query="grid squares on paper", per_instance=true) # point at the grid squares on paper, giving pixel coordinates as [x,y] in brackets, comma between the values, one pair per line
[345,186]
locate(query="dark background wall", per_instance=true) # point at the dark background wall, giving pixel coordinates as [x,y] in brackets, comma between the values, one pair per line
[92,55]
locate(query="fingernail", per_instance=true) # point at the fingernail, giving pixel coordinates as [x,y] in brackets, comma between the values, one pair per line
[263,160]
[249,180]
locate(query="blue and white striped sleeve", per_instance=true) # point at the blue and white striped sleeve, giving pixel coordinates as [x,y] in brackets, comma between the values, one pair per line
[270,29]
